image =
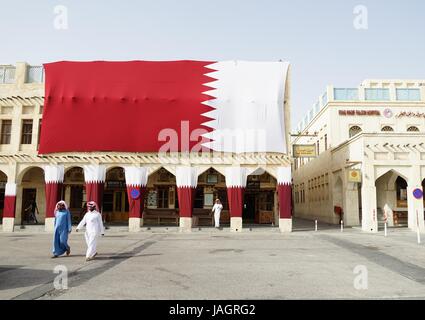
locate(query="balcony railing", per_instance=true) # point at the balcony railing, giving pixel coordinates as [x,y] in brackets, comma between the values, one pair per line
[7,74]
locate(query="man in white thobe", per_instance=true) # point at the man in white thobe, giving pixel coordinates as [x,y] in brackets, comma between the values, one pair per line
[94,228]
[217,211]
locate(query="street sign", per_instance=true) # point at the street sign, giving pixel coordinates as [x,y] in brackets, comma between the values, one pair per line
[418,193]
[135,194]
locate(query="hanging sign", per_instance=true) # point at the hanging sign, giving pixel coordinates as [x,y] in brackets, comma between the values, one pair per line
[304,150]
[354,176]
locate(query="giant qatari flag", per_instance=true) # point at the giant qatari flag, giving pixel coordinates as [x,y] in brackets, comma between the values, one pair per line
[138,106]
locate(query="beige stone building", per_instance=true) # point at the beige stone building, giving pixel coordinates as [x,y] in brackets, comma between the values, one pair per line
[370,166]
[21,109]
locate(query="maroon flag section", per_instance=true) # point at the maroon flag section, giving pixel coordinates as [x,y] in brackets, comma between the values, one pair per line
[124,106]
[9,200]
[136,179]
[95,176]
[284,189]
[235,182]
[53,176]
[186,180]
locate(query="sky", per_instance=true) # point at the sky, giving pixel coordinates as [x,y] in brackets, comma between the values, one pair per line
[318,38]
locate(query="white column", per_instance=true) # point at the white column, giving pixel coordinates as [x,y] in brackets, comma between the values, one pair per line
[186,181]
[351,204]
[135,177]
[369,212]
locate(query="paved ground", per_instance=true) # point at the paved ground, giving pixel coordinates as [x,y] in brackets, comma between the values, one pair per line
[209,264]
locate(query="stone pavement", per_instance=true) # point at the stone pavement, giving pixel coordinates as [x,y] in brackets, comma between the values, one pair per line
[162,263]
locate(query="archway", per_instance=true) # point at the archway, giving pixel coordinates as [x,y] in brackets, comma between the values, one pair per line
[391,199]
[161,204]
[74,192]
[3,181]
[32,199]
[260,199]
[115,205]
[211,186]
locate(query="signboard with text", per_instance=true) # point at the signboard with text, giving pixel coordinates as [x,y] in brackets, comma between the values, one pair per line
[304,150]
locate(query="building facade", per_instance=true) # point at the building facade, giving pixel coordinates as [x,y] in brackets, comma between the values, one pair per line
[370,164]
[116,179]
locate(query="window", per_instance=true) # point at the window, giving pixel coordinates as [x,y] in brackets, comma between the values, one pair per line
[163,197]
[346,94]
[377,94]
[26,132]
[408,94]
[318,147]
[6,130]
[354,130]
[326,142]
[387,129]
[413,129]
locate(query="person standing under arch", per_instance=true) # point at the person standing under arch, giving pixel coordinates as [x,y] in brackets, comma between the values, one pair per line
[216,209]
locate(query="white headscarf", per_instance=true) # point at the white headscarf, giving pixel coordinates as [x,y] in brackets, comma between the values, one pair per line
[61,202]
[93,203]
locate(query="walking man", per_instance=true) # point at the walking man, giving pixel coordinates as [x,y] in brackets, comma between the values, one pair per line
[217,211]
[94,228]
[32,208]
[62,228]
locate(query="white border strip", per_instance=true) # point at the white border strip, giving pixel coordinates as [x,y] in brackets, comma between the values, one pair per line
[186,177]
[236,177]
[136,176]
[10,189]
[284,175]
[54,173]
[94,173]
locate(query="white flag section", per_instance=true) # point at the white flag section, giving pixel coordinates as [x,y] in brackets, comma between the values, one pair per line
[249,107]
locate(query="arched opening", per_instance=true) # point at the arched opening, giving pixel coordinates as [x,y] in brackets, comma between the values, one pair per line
[354,130]
[387,129]
[74,192]
[211,186]
[413,129]
[33,197]
[115,205]
[161,204]
[260,199]
[337,196]
[391,199]
[3,181]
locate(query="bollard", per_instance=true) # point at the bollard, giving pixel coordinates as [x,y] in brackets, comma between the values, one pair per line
[342,226]
[315,225]
[385,229]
